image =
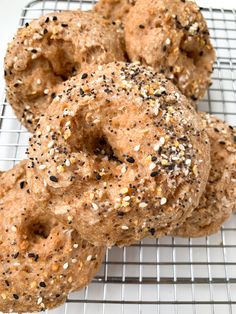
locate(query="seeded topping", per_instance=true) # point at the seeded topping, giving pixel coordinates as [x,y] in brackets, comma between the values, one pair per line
[40,249]
[53,179]
[187,61]
[42,284]
[128,143]
[218,199]
[32,82]
[22,184]
[84,76]
[15,296]
[130,160]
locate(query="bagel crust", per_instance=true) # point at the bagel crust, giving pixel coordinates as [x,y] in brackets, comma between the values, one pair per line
[115,10]
[219,200]
[50,50]
[172,37]
[120,155]
[41,260]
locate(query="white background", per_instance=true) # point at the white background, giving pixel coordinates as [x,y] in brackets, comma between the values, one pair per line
[10,11]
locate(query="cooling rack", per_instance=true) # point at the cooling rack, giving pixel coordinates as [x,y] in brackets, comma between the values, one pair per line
[168,275]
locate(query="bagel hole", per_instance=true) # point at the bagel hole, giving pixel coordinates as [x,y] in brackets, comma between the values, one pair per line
[192,54]
[92,54]
[91,140]
[103,148]
[60,55]
[38,230]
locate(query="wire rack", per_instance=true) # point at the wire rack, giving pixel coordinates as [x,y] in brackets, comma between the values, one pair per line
[168,275]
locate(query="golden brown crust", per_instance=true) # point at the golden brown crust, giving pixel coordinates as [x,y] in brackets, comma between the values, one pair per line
[219,199]
[125,157]
[41,260]
[172,36]
[51,49]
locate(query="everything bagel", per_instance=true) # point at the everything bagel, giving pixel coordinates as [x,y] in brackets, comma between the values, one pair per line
[50,50]
[219,199]
[41,260]
[119,155]
[172,37]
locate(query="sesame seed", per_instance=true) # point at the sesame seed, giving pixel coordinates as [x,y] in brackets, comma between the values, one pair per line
[84,76]
[137,148]
[15,296]
[22,184]
[40,300]
[162,140]
[156,109]
[143,205]
[65,266]
[188,162]
[75,246]
[50,144]
[42,284]
[53,179]
[42,167]
[131,160]
[31,255]
[168,41]
[95,206]
[154,174]
[123,169]
[52,152]
[222,142]
[152,166]
[98,177]
[126,198]
[124,227]
[13,228]
[152,231]
[163,201]
[89,258]
[67,162]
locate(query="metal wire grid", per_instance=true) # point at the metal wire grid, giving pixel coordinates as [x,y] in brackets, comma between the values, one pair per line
[166,275]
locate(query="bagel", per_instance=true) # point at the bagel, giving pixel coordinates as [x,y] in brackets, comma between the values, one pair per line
[50,50]
[119,155]
[172,37]
[219,200]
[41,260]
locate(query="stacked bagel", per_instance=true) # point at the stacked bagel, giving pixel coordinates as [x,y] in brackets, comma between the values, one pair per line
[118,151]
